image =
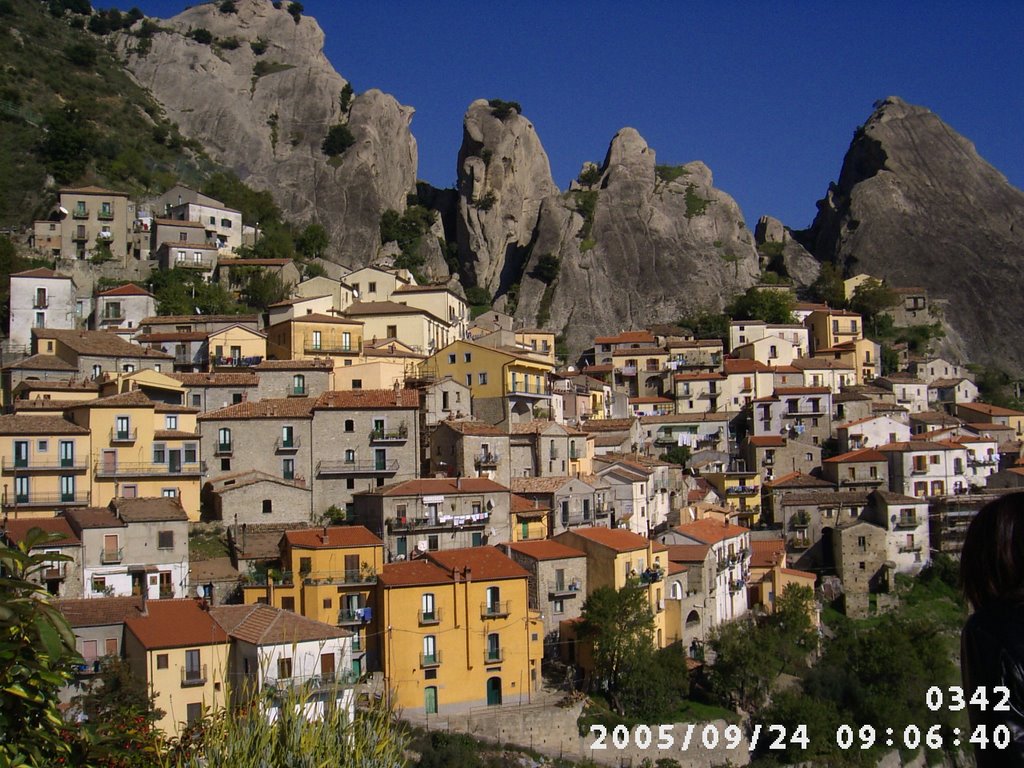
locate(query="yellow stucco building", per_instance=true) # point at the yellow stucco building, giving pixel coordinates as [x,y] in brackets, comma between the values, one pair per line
[458,632]
[328,574]
[44,460]
[140,447]
[182,655]
[314,335]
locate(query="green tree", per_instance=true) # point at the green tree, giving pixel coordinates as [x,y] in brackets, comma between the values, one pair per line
[871,298]
[37,650]
[504,109]
[793,635]
[338,139]
[67,144]
[256,207]
[263,288]
[345,99]
[183,292]
[708,325]
[769,306]
[547,267]
[677,454]
[313,241]
[740,676]
[828,287]
[295,9]
[201,35]
[620,626]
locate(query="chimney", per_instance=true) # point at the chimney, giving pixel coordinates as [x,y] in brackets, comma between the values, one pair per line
[144,594]
[468,573]
[398,392]
[458,482]
[323,536]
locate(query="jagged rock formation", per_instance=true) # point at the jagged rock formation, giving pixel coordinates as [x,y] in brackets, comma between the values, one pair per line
[916,205]
[266,117]
[503,175]
[643,244]
[793,259]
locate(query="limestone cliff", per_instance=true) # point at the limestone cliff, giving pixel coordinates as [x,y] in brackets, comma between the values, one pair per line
[503,175]
[916,205]
[261,99]
[643,244]
[783,254]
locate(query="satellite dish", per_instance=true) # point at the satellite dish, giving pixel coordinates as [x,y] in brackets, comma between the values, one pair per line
[200,591]
[421,545]
[62,210]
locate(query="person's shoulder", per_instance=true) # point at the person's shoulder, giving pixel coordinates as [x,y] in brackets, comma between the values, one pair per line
[1001,620]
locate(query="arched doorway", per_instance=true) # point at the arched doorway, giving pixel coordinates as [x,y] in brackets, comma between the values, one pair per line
[493,691]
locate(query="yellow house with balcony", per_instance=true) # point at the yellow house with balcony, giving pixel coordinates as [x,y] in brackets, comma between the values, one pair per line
[236,346]
[506,384]
[615,556]
[315,335]
[529,519]
[181,653]
[458,632]
[741,492]
[140,447]
[328,574]
[44,460]
[831,327]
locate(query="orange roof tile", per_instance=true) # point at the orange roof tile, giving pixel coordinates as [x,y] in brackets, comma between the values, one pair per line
[709,531]
[270,408]
[765,553]
[15,531]
[438,486]
[864,454]
[358,399]
[618,539]
[413,573]
[99,611]
[336,536]
[175,624]
[485,563]
[545,550]
[688,553]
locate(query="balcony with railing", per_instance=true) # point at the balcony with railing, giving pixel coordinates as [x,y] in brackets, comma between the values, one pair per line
[563,591]
[366,575]
[112,556]
[498,609]
[40,303]
[80,212]
[982,461]
[313,683]
[482,460]
[287,444]
[906,521]
[427,618]
[399,435]
[328,467]
[494,655]
[743,490]
[123,435]
[52,499]
[105,214]
[798,542]
[428,660]
[204,263]
[223,449]
[354,615]
[148,468]
[909,548]
[18,466]
[406,524]
[55,571]
[524,390]
[330,346]
[627,370]
[192,677]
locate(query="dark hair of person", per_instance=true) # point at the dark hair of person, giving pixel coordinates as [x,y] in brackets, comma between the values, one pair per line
[992,558]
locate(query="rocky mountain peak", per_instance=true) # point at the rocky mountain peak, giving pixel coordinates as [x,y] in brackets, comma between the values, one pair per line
[629,159]
[503,175]
[262,97]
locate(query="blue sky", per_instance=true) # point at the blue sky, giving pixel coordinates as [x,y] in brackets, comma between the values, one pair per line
[768,95]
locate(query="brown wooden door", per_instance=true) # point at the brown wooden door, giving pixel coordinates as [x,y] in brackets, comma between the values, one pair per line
[327,666]
[109,460]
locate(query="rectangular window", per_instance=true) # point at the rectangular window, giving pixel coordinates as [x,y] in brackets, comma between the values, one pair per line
[67,488]
[284,669]
[482,377]
[161,661]
[159,453]
[268,506]
[165,539]
[288,469]
[432,543]
[170,422]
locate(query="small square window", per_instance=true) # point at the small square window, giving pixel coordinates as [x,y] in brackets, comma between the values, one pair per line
[430,674]
[165,540]
[451,359]
[197,401]
[467,357]
[327,603]
[225,465]
[161,661]
[43,446]
[350,483]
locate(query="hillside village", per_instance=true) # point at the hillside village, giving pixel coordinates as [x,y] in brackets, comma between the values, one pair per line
[417,501]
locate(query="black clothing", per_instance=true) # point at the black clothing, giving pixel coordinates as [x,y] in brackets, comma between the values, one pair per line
[992,654]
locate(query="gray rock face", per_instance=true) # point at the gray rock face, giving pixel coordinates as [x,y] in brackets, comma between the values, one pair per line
[503,175]
[657,246]
[795,260]
[268,124]
[916,205]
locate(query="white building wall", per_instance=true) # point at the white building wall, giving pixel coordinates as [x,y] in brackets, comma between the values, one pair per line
[57,311]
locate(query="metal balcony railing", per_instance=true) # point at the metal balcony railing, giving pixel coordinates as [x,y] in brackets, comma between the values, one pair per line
[486,460]
[191,677]
[429,617]
[494,655]
[430,659]
[224,449]
[319,682]
[907,522]
[103,215]
[80,212]
[222,361]
[123,435]
[495,610]
[357,467]
[18,466]
[390,435]
[366,575]
[145,468]
[111,556]
[287,445]
[53,499]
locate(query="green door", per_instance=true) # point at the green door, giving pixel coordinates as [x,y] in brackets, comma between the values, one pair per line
[524,533]
[357,668]
[493,691]
[430,699]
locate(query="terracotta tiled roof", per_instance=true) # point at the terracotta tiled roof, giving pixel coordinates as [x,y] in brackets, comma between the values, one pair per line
[618,539]
[359,399]
[42,363]
[608,425]
[802,391]
[918,445]
[129,289]
[764,553]
[486,563]
[802,574]
[744,366]
[337,536]
[989,410]
[173,408]
[545,550]
[99,611]
[440,486]
[674,569]
[538,484]
[16,530]
[864,454]
[820,363]
[715,376]
[767,441]
[148,510]
[41,272]
[264,625]
[175,624]
[688,553]
[79,385]
[473,428]
[537,426]
[235,480]
[295,365]
[271,408]
[316,317]
[91,189]
[192,380]
[133,399]
[81,518]
[38,424]
[708,531]
[99,343]
[413,573]
[199,319]
[164,336]
[521,504]
[610,440]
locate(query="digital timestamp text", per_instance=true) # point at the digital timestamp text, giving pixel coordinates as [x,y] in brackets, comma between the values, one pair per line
[684,737]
